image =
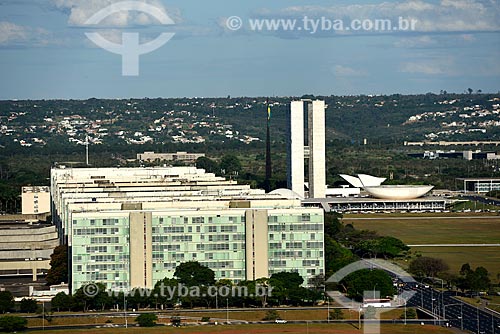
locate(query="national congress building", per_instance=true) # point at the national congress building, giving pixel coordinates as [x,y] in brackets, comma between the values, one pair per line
[131,227]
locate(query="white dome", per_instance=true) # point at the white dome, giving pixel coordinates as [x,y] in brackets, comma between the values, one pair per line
[398,192]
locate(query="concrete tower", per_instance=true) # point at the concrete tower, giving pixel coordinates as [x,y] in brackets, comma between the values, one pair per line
[316,139]
[296,148]
[316,142]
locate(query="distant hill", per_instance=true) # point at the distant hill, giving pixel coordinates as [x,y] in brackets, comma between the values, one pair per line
[241,121]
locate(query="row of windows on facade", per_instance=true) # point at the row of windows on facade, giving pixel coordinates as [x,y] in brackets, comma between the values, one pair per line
[180,230]
[199,247]
[101,258]
[293,254]
[213,265]
[194,220]
[283,263]
[296,245]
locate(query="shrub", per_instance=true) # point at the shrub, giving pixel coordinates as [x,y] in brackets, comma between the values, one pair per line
[272,315]
[12,323]
[146,320]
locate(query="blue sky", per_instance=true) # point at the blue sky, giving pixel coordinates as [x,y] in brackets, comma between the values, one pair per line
[44,53]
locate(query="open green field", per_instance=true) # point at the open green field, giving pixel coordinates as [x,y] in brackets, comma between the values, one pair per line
[425,229]
[492,302]
[261,329]
[455,257]
[438,229]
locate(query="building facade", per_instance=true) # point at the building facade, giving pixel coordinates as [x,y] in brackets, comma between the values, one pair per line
[179,156]
[132,227]
[314,151]
[35,200]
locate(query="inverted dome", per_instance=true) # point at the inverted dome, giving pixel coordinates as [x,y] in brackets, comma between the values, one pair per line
[398,192]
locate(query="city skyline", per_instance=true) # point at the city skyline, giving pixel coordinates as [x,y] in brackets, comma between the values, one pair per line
[45,55]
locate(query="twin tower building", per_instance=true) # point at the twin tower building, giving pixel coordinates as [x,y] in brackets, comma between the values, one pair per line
[313,149]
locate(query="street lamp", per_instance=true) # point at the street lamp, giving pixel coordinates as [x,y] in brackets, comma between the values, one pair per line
[432,307]
[461,317]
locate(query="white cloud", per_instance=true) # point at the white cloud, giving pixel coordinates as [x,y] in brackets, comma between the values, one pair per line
[417,42]
[12,34]
[345,71]
[438,66]
[80,11]
[423,68]
[466,16]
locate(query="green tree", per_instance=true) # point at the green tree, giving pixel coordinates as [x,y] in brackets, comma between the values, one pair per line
[147,320]
[138,297]
[230,164]
[363,280]
[388,247]
[336,256]
[336,314]
[6,301]
[58,271]
[333,226]
[474,280]
[287,288]
[161,294]
[98,299]
[427,266]
[209,165]
[28,305]
[410,314]
[271,315]
[62,301]
[10,323]
[194,274]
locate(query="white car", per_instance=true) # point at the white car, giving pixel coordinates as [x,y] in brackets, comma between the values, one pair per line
[280,321]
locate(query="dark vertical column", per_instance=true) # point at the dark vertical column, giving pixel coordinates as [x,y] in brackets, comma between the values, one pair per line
[269,167]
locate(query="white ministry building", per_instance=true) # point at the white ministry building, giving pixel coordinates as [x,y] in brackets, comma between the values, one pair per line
[131,227]
[316,148]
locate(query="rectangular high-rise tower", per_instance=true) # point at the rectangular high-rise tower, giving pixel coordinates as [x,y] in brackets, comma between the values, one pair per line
[296,148]
[316,142]
[316,136]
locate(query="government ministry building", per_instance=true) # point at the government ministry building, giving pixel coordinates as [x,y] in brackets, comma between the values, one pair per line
[131,227]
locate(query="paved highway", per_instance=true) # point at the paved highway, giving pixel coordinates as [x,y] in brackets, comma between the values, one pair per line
[452,311]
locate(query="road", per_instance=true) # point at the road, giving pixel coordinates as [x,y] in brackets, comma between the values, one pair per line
[444,305]
[456,313]
[481,199]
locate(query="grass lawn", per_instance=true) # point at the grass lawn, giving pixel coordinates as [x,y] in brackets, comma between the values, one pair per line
[492,302]
[447,230]
[455,257]
[425,230]
[261,329]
